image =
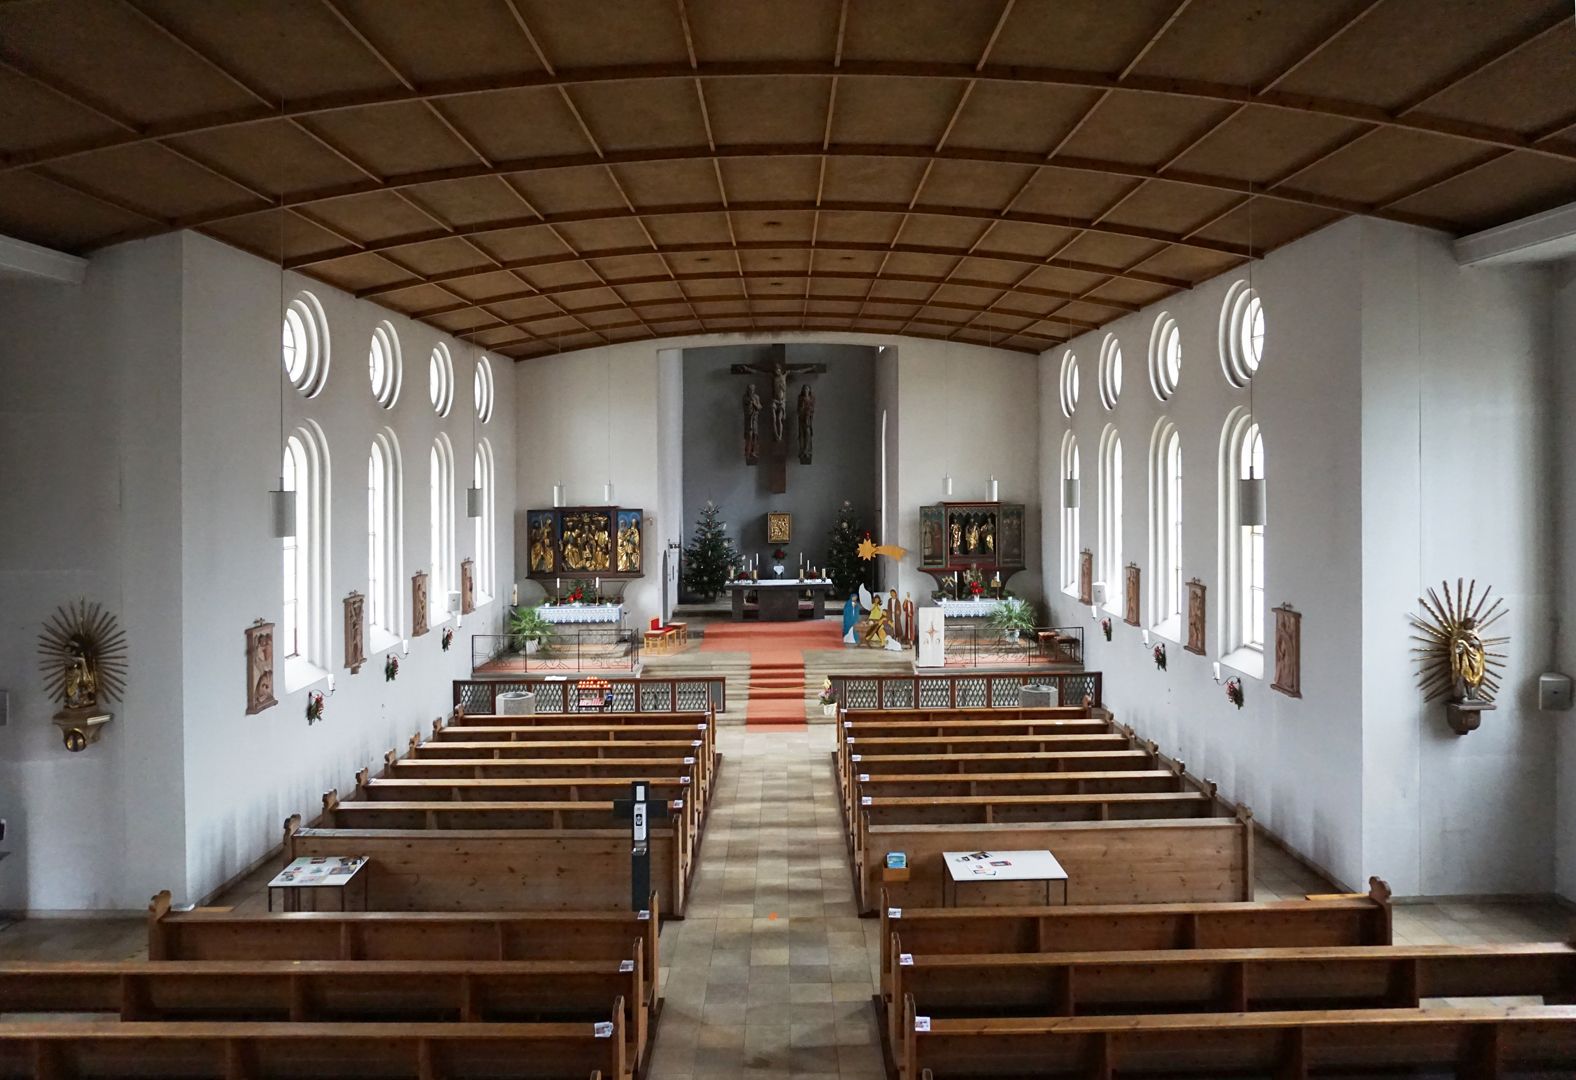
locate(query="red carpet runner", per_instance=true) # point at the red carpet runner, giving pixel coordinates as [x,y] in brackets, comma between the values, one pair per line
[777,689]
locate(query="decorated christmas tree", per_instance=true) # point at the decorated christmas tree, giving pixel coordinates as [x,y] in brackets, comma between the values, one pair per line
[707,559]
[843,564]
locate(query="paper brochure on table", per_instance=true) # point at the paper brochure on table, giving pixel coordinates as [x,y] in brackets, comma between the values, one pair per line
[313,870]
[1003,866]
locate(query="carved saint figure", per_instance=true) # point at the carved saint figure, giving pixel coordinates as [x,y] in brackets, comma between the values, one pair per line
[806,423]
[988,534]
[629,548]
[1468,660]
[957,537]
[973,536]
[81,686]
[752,425]
[542,546]
[779,373]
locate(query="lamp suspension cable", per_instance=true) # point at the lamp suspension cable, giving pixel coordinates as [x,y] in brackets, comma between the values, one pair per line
[283,502]
[1250,491]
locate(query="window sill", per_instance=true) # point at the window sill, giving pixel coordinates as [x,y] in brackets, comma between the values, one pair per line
[300,674]
[1248,660]
[380,640]
[1171,629]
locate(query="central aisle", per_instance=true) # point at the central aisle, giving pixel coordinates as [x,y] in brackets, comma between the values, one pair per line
[772,973]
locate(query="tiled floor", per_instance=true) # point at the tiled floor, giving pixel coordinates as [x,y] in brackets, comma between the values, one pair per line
[771,974]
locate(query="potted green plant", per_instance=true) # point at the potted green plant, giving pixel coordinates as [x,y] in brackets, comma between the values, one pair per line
[529,630]
[1012,616]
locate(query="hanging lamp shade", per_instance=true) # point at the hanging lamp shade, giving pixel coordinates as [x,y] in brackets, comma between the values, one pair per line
[558,494]
[473,502]
[946,484]
[1250,502]
[1070,493]
[607,493]
[284,506]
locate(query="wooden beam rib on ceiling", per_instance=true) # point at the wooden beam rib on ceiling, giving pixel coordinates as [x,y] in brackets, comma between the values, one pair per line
[1222,93]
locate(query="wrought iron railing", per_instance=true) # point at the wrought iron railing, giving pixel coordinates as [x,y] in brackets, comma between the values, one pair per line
[959,690]
[592,649]
[987,646]
[556,694]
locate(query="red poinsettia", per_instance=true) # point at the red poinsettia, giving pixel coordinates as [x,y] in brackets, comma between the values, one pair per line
[779,554]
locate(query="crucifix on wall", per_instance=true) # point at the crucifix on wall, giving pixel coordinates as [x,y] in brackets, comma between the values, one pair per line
[779,371]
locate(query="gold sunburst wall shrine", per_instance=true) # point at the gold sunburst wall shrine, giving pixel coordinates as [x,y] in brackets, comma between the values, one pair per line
[83,655]
[1455,659]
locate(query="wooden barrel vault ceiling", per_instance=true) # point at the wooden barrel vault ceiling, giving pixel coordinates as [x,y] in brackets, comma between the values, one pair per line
[546,175]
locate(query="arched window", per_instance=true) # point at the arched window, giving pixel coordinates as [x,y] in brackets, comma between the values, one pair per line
[385,367]
[1110,553]
[1069,383]
[1165,529]
[385,547]
[486,526]
[441,581]
[1241,546]
[304,344]
[304,634]
[1069,517]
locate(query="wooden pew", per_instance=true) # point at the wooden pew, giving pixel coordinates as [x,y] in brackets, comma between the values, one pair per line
[106,1049]
[566,769]
[1339,921]
[1221,980]
[499,869]
[319,991]
[222,934]
[853,732]
[596,721]
[991,810]
[505,731]
[1488,1042]
[1107,862]
[951,785]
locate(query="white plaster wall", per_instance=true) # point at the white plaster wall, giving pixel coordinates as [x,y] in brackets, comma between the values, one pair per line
[245,774]
[982,418]
[90,438]
[1296,762]
[1562,384]
[1455,468]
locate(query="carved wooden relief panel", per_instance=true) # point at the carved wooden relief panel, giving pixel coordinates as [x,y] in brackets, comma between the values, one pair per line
[1086,576]
[260,667]
[1288,651]
[418,603]
[1130,612]
[467,586]
[1195,617]
[355,632]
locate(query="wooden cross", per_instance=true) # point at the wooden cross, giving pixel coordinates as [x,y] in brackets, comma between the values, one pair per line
[774,432]
[638,811]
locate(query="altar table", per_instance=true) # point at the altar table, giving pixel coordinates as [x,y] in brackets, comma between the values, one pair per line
[777,600]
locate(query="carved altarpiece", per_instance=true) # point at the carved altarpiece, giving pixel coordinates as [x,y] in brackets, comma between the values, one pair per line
[418,603]
[1195,617]
[355,632]
[1130,608]
[260,667]
[1288,651]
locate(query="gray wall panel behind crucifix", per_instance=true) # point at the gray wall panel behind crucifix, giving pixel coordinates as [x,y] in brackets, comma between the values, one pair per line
[846,429]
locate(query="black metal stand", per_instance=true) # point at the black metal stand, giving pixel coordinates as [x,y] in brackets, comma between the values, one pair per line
[638,811]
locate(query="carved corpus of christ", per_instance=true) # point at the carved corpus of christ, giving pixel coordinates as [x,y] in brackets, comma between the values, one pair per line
[779,371]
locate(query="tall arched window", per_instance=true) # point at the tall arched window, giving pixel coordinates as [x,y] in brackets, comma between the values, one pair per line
[1111,516]
[486,527]
[1165,529]
[1069,517]
[1241,546]
[441,581]
[385,547]
[304,634]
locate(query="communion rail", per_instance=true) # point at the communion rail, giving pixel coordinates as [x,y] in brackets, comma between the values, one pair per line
[960,690]
[595,650]
[987,646]
[698,693]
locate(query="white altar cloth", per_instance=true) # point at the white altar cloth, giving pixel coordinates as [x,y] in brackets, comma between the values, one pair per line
[561,614]
[977,608]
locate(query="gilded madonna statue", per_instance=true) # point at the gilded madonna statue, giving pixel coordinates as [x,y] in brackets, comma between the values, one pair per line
[1455,659]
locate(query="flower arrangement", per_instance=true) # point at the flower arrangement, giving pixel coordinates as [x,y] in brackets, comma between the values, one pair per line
[1234,691]
[576,593]
[828,695]
[390,668]
[1160,656]
[779,554]
[314,706]
[448,637]
[1105,628]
